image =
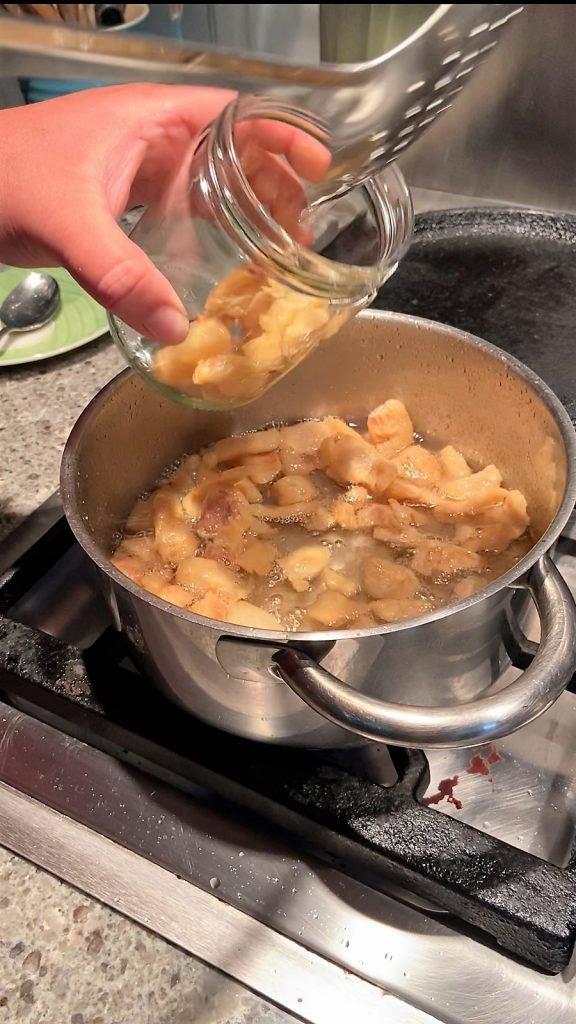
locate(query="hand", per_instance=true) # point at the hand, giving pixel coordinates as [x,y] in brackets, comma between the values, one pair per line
[70,167]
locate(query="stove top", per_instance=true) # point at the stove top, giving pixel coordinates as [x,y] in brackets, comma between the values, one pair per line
[410,886]
[382,862]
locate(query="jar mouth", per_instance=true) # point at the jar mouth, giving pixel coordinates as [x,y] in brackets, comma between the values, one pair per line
[265,242]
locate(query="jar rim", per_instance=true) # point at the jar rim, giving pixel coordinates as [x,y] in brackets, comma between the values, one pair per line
[264,241]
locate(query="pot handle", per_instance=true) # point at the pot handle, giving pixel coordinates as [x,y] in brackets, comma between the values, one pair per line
[462,725]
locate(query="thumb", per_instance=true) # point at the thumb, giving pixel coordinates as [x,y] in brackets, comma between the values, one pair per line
[118,275]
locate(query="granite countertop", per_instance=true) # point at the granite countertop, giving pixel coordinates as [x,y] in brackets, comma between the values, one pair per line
[65,958]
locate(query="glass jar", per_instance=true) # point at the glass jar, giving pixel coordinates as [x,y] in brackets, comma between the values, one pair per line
[264,277]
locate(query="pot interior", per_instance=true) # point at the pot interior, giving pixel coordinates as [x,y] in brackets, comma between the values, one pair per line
[456,389]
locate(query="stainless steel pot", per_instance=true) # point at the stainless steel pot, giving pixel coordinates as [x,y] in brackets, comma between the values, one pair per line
[427,683]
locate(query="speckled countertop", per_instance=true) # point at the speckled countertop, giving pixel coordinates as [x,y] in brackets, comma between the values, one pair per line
[64,958]
[38,406]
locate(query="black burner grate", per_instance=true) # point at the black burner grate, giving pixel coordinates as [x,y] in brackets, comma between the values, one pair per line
[374,833]
[508,276]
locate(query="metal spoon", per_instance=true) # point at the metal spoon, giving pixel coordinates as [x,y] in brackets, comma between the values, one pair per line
[30,305]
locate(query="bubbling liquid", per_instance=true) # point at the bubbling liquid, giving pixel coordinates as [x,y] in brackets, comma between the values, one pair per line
[321,525]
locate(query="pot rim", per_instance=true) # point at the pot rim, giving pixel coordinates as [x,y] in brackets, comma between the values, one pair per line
[68,492]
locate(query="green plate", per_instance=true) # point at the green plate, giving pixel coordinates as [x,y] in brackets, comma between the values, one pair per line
[78,321]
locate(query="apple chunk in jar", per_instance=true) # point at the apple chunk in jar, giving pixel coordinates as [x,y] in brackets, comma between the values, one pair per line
[261,289]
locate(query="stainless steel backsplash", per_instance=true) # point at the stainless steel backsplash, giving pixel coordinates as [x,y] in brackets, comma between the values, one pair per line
[511,135]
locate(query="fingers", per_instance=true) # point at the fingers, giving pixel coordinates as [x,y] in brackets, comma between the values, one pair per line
[195,108]
[309,157]
[192,106]
[192,109]
[115,272]
[275,185]
[276,182]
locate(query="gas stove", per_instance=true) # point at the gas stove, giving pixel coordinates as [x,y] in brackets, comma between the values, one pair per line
[401,885]
[429,885]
